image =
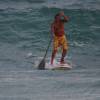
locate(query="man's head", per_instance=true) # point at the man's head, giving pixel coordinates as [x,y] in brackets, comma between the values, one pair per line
[58,15]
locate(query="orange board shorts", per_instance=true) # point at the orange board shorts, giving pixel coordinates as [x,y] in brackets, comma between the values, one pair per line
[60,42]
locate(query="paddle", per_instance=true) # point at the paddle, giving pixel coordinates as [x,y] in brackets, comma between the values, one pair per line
[41,65]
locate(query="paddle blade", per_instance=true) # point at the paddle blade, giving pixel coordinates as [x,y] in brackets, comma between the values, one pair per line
[41,66]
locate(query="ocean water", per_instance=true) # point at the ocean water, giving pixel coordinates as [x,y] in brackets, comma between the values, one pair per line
[24,37]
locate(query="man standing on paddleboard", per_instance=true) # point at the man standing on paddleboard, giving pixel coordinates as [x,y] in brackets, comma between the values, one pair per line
[58,35]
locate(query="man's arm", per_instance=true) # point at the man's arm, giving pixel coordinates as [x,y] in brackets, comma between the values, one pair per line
[63,17]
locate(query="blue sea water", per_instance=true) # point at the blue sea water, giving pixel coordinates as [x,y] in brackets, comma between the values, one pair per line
[24,37]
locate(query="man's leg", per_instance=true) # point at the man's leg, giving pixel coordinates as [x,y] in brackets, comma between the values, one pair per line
[64,49]
[63,56]
[55,47]
[53,56]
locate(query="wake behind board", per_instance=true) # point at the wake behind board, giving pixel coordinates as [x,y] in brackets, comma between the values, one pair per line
[58,66]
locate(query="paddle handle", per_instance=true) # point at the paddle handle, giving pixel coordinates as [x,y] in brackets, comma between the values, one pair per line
[48,48]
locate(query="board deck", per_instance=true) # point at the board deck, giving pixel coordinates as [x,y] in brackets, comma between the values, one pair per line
[58,66]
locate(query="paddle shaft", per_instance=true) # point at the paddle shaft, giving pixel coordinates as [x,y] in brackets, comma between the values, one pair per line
[47,48]
[41,66]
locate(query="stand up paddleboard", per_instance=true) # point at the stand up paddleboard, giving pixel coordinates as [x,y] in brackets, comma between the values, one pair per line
[58,66]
